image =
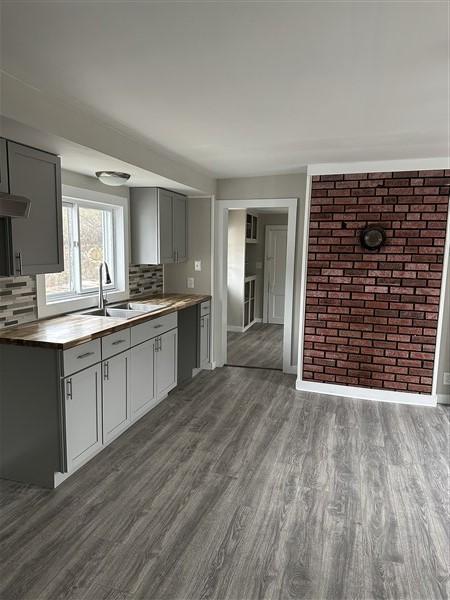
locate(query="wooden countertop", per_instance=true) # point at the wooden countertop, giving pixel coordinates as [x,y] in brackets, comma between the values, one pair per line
[73,329]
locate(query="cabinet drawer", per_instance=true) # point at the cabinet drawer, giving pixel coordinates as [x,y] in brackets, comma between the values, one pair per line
[205,308]
[146,331]
[115,343]
[81,357]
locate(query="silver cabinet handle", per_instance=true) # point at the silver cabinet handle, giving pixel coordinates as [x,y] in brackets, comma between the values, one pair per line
[202,322]
[69,389]
[85,355]
[156,345]
[157,326]
[117,342]
[19,258]
[106,371]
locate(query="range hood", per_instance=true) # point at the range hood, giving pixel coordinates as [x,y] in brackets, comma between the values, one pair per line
[14,206]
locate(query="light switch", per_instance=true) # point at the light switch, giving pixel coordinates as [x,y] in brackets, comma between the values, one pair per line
[190,282]
[446,378]
[259,265]
[197,265]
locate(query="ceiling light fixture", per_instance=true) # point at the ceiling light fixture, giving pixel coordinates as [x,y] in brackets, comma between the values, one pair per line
[112,177]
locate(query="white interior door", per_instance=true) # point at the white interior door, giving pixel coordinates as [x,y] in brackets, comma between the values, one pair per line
[275,273]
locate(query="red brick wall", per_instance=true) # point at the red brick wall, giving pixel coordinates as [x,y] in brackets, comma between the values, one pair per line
[371,317]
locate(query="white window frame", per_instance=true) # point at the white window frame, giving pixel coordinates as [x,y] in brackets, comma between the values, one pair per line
[65,303]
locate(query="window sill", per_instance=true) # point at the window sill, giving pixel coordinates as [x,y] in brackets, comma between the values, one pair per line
[51,309]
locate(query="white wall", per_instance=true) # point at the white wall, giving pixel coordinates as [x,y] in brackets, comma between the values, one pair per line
[199,248]
[274,186]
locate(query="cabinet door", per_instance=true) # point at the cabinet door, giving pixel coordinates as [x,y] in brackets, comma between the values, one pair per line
[83,416]
[142,380]
[165,205]
[166,363]
[37,241]
[116,409]
[179,228]
[204,341]
[4,187]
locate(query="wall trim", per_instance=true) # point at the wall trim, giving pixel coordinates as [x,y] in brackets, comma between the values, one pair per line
[442,301]
[366,393]
[220,271]
[379,166]
[301,315]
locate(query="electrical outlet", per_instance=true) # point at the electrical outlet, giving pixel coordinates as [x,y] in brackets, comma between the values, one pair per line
[446,378]
[190,283]
[197,265]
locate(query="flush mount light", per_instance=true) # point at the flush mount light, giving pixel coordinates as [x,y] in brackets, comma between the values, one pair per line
[373,237]
[112,177]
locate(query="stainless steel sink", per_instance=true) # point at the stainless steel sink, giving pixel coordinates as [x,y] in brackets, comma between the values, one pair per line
[127,310]
[118,313]
[140,307]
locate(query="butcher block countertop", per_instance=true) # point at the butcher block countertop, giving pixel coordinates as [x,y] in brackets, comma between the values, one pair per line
[74,329]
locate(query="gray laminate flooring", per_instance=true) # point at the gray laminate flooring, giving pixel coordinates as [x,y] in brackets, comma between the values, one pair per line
[260,346]
[237,487]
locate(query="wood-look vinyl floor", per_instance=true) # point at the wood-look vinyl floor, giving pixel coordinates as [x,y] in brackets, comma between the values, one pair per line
[259,346]
[238,487]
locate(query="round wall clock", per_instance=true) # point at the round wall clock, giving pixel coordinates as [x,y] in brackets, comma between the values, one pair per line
[373,237]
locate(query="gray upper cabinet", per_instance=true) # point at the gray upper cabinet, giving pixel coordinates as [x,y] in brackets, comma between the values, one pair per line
[158,226]
[165,227]
[179,228]
[4,187]
[33,244]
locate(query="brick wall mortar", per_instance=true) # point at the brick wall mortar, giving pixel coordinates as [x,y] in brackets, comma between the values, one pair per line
[371,317]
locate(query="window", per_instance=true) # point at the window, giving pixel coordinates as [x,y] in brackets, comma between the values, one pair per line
[95,229]
[89,239]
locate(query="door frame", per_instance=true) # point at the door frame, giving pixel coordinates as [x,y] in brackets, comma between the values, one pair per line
[220,300]
[269,228]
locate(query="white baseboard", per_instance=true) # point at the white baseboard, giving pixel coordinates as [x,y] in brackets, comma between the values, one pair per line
[291,369]
[366,393]
[443,398]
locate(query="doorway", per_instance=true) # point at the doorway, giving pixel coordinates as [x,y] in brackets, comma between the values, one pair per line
[245,332]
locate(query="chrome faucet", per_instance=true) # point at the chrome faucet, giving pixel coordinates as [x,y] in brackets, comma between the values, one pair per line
[101,298]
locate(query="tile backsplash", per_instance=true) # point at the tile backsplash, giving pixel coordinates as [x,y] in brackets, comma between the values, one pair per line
[17,300]
[18,294]
[146,279]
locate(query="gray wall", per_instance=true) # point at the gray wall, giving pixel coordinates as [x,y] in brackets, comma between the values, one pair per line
[199,248]
[444,355]
[274,186]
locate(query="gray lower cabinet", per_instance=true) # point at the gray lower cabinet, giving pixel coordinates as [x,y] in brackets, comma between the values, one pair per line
[4,186]
[82,416]
[34,244]
[166,363]
[205,334]
[158,226]
[116,396]
[73,402]
[142,378]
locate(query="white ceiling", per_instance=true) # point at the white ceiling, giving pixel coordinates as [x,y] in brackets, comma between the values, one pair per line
[246,88]
[87,161]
